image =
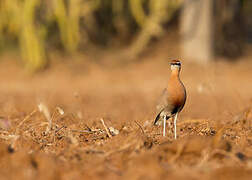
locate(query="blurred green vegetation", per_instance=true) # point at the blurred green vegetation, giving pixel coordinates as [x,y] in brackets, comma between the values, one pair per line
[36,27]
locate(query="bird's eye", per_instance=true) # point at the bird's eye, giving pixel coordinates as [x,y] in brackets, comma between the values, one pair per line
[176,63]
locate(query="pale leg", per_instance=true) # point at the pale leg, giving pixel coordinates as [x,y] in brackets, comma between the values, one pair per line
[164,125]
[175,126]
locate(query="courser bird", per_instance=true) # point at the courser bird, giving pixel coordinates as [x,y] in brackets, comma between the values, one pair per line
[172,99]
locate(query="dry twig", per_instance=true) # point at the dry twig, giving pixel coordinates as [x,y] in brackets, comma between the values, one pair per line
[44,109]
[106,128]
[140,127]
[25,119]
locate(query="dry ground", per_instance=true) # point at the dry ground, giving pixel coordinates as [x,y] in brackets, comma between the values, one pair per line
[214,129]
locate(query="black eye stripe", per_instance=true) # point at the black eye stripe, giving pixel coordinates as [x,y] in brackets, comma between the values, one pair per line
[176,63]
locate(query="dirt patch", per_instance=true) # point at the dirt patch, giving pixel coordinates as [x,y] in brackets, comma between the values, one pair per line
[51,123]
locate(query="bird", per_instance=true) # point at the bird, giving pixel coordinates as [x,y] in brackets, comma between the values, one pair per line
[172,99]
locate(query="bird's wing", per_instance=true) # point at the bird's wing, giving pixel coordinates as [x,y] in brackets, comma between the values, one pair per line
[161,105]
[162,101]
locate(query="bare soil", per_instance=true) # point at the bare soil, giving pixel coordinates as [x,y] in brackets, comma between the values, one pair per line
[214,128]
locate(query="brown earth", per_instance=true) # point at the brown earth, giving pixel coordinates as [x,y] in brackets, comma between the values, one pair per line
[214,129]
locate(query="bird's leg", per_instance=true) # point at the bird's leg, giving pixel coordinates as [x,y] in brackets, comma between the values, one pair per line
[175,126]
[164,125]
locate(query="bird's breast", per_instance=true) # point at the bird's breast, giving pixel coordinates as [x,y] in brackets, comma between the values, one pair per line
[177,94]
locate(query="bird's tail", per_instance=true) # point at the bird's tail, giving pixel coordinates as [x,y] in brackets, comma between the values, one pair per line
[157,119]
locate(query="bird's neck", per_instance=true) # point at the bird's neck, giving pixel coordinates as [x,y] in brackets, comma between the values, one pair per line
[175,74]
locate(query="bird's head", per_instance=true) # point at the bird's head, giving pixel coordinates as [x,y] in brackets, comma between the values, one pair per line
[175,65]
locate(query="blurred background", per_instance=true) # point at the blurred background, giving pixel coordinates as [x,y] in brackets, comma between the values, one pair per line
[65,65]
[198,30]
